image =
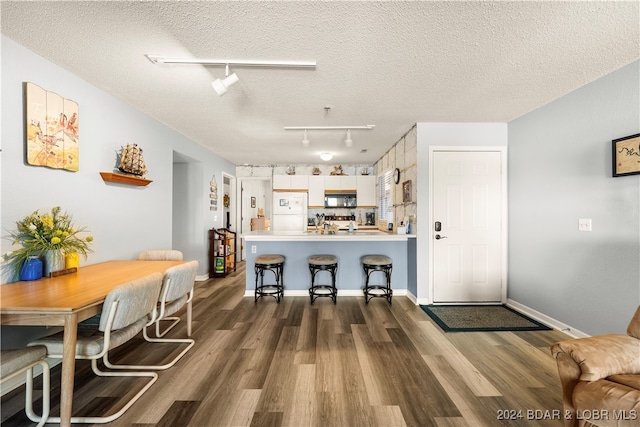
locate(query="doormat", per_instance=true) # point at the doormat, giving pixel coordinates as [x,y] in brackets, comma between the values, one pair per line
[481,318]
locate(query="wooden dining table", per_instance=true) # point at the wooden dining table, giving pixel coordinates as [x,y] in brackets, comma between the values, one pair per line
[67,300]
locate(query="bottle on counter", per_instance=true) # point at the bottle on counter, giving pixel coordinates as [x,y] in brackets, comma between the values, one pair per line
[359,217]
[350,226]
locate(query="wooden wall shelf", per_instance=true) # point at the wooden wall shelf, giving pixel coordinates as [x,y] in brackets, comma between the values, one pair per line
[124,179]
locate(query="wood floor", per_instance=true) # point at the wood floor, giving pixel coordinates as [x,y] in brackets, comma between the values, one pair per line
[349,364]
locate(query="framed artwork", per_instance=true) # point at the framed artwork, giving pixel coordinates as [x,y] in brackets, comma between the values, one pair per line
[626,155]
[253,202]
[406,191]
[52,130]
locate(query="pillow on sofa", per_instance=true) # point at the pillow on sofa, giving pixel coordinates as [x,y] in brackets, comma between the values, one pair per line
[603,355]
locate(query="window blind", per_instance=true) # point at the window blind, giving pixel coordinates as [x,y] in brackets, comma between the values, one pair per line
[385,199]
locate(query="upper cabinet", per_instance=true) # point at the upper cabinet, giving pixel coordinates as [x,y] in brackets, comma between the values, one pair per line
[290,182]
[316,185]
[316,191]
[340,182]
[366,189]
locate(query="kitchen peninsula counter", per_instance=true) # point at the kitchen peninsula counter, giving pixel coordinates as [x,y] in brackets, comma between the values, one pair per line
[349,248]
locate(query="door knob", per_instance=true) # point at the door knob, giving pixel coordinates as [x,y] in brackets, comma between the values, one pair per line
[438,237]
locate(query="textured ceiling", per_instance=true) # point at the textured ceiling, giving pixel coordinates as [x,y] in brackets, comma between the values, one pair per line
[390,64]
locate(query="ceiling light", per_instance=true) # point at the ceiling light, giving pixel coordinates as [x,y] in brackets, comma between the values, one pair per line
[348,142]
[221,86]
[326,156]
[305,140]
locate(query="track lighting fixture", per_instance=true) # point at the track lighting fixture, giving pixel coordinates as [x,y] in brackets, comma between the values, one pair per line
[348,142]
[305,140]
[326,156]
[221,86]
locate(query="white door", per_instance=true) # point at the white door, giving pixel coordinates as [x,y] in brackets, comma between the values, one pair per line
[467,226]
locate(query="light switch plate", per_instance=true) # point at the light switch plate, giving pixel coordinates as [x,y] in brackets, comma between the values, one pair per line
[584,224]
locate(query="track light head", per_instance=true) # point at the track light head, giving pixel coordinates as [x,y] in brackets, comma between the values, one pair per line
[305,140]
[348,142]
[222,86]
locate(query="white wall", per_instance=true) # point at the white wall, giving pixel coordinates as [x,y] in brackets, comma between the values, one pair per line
[443,134]
[123,219]
[559,171]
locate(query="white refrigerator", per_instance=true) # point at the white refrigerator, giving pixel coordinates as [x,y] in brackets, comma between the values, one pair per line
[289,212]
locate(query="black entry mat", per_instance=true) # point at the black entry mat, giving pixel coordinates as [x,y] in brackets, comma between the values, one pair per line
[481,318]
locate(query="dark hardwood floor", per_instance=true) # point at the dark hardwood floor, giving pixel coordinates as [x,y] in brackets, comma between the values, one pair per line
[349,364]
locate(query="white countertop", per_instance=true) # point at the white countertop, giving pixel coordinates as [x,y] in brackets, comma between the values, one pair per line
[302,236]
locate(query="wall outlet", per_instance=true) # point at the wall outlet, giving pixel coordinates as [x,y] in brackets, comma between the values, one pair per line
[584,224]
[254,249]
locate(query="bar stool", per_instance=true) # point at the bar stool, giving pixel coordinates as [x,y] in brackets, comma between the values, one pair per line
[275,264]
[318,263]
[384,264]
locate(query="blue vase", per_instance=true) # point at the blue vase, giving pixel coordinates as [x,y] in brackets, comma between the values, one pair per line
[31,269]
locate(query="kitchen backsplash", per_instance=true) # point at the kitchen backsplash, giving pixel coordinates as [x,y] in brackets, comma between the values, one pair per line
[368,215]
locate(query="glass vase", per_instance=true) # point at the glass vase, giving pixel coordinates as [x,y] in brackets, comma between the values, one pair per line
[52,260]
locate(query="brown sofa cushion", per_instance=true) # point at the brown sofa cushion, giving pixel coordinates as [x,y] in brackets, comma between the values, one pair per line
[632,381]
[602,356]
[619,401]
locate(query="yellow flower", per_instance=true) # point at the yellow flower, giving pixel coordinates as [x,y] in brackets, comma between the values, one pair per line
[89,238]
[55,240]
[47,220]
[65,234]
[57,233]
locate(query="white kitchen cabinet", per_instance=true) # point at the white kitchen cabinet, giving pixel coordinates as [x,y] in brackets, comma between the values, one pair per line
[316,191]
[366,189]
[338,182]
[299,182]
[290,182]
[281,182]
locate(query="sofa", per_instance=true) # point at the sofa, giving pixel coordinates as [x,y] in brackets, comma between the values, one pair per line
[600,378]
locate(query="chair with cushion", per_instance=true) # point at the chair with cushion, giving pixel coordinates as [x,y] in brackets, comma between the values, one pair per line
[160,255]
[371,264]
[275,264]
[16,362]
[318,263]
[127,309]
[176,292]
[600,378]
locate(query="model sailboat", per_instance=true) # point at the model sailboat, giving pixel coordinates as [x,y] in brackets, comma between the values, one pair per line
[131,160]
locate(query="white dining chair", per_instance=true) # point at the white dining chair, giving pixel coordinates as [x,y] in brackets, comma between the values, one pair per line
[23,360]
[160,255]
[126,311]
[176,293]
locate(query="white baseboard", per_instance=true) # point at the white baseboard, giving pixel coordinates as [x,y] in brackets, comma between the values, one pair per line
[549,321]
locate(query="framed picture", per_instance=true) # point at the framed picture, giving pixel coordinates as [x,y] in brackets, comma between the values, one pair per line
[626,155]
[284,202]
[253,202]
[406,191]
[52,130]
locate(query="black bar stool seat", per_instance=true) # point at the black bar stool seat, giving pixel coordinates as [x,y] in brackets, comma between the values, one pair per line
[275,264]
[318,263]
[371,264]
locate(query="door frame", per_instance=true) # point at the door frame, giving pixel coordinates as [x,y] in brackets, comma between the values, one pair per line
[504,211]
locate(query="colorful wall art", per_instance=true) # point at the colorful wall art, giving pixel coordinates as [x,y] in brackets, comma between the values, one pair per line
[53,138]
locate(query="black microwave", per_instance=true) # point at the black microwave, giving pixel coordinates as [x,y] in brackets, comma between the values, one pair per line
[340,200]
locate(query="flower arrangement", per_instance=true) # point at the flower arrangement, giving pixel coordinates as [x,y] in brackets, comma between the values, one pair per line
[38,233]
